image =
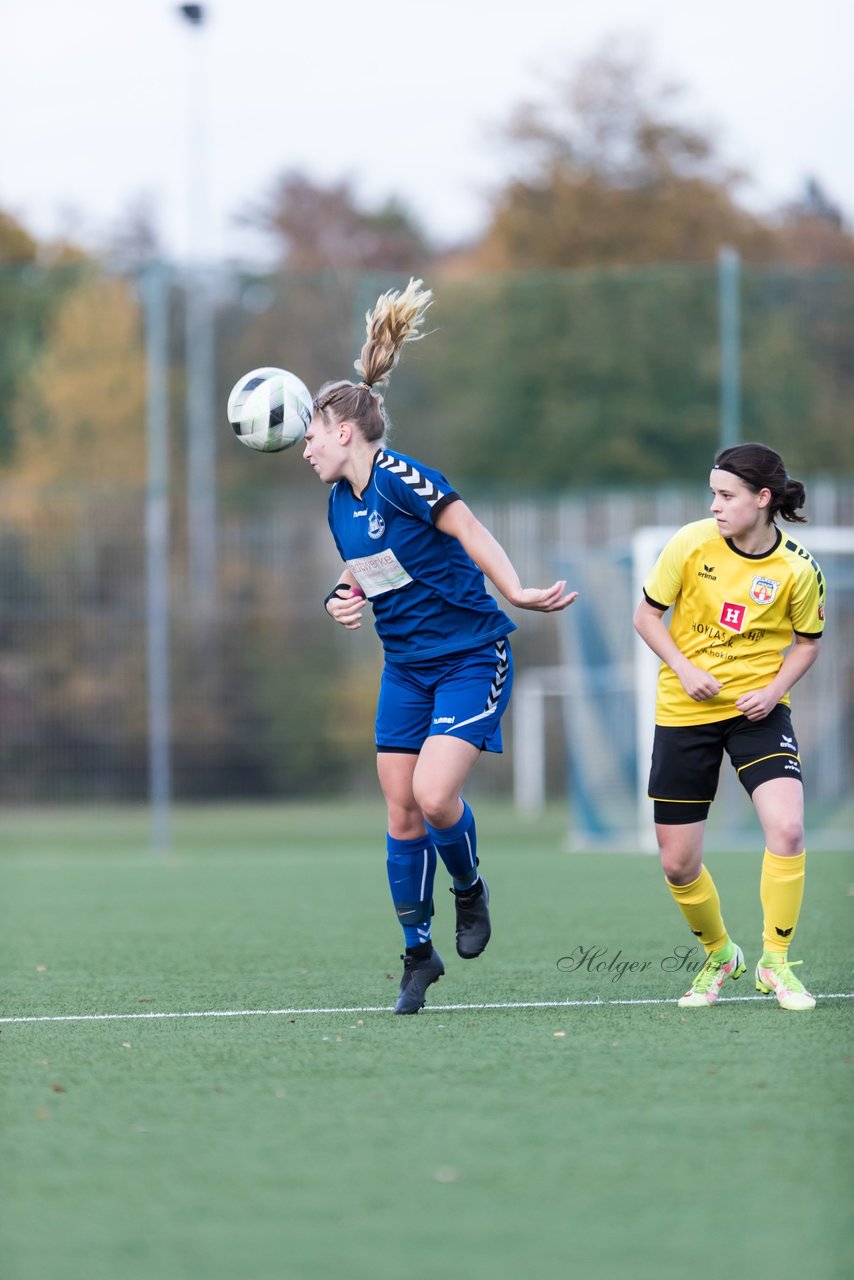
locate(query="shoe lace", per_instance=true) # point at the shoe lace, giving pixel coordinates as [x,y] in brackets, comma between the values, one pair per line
[707,975]
[465,897]
[783,969]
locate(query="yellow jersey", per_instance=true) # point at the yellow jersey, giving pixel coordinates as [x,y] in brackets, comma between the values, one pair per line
[734,614]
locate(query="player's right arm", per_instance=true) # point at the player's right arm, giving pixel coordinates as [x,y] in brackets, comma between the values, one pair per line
[346,601]
[697,683]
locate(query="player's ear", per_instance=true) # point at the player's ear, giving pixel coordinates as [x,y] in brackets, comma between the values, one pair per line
[345,432]
[764,496]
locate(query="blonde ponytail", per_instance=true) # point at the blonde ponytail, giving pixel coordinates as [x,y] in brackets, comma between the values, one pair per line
[394,321]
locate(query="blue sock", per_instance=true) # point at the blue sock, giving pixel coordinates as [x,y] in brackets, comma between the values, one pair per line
[411,866]
[457,847]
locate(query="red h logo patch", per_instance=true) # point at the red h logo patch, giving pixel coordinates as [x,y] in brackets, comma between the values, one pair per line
[732,615]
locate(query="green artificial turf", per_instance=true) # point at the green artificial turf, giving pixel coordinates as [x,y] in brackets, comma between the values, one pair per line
[598,1139]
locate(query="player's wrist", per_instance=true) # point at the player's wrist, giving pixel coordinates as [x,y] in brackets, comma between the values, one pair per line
[340,589]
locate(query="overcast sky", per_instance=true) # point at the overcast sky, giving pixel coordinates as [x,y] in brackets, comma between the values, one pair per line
[103,103]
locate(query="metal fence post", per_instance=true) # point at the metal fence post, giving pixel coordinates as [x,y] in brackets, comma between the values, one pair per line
[155,303]
[729,308]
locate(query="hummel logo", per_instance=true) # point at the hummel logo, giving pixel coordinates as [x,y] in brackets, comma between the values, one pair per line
[784,933]
[411,476]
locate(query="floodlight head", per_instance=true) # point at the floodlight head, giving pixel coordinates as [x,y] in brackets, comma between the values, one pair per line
[194,13]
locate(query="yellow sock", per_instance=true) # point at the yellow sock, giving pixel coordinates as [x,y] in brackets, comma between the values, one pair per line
[701,907]
[781,890]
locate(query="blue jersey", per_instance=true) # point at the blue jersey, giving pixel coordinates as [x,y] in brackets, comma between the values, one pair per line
[428,595]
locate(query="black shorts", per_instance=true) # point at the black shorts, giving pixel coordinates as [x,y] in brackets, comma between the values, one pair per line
[686,761]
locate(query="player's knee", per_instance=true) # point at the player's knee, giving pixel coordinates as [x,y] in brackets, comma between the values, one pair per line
[680,870]
[439,807]
[405,820]
[681,860]
[785,835]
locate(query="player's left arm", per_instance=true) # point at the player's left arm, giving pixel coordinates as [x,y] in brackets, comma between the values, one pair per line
[758,703]
[459,521]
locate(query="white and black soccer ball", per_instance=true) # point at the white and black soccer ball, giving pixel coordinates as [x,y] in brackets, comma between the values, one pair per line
[269,409]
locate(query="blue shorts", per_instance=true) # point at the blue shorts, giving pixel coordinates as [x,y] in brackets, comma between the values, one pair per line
[463,695]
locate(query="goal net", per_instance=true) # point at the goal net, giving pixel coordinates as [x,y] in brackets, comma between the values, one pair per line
[607,685]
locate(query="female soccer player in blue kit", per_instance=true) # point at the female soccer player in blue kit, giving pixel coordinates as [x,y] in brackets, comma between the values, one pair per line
[415,551]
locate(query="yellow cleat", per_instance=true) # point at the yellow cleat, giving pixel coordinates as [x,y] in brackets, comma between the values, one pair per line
[774,973]
[706,987]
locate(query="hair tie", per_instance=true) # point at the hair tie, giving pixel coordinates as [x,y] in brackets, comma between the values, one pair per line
[366,385]
[734,471]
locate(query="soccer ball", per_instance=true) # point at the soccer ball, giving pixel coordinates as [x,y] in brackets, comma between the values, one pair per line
[269,409]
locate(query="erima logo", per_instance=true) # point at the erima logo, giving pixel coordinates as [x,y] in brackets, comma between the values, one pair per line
[787,742]
[707,571]
[444,719]
[783,933]
[376,525]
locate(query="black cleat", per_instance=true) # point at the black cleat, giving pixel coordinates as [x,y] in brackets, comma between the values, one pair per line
[473,924]
[419,971]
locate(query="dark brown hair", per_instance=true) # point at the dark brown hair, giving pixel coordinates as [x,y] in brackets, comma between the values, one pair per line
[762,468]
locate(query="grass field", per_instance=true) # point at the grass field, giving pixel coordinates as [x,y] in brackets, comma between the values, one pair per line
[599,1139]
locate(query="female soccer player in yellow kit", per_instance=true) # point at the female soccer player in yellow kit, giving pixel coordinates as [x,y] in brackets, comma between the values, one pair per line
[741,590]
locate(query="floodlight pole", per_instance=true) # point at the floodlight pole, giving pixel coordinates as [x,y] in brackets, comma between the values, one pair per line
[155,308]
[199,335]
[729,319]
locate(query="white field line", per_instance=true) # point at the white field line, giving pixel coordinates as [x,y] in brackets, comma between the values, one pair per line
[435,1008]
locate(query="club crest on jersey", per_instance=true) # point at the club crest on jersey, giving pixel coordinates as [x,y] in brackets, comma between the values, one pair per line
[763,590]
[732,616]
[376,525]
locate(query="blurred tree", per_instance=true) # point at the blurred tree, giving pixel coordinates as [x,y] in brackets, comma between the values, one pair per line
[316,227]
[80,415]
[813,232]
[608,175]
[18,247]
[575,379]
[29,293]
[562,380]
[135,238]
[16,244]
